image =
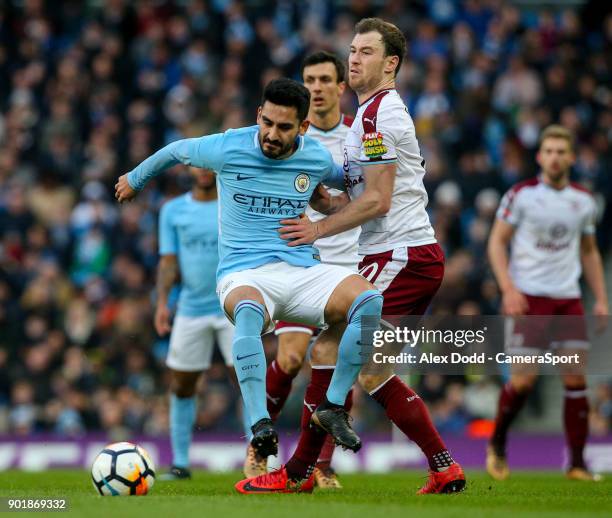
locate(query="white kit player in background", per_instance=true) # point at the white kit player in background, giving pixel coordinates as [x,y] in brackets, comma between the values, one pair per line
[188,247]
[549,224]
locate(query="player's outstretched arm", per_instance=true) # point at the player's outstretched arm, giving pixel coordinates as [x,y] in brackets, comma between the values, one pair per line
[594,274]
[514,302]
[201,152]
[375,201]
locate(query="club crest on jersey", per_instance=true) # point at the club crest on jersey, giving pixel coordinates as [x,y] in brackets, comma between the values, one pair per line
[302,182]
[373,145]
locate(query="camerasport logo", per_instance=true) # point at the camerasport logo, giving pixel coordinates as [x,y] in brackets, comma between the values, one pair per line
[373,145]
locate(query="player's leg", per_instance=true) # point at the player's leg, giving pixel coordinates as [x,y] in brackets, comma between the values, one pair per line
[576,424]
[409,278]
[356,304]
[293,340]
[190,352]
[246,307]
[338,296]
[183,405]
[571,338]
[511,400]
[312,439]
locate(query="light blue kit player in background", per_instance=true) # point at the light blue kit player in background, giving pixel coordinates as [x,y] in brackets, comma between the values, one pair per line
[188,249]
[267,173]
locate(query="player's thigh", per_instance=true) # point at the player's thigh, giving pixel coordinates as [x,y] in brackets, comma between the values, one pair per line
[191,344]
[292,349]
[343,297]
[224,337]
[265,285]
[308,291]
[408,277]
[324,352]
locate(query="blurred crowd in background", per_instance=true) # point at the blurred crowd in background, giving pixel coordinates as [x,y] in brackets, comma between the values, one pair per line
[90,89]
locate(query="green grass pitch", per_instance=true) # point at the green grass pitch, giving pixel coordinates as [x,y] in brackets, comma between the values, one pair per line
[369,496]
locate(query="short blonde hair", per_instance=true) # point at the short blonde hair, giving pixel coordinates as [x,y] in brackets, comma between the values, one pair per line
[557,131]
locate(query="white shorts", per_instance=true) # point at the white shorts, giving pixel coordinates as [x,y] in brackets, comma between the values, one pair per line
[192,342]
[291,293]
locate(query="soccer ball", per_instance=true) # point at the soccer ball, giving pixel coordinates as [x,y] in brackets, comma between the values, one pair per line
[123,469]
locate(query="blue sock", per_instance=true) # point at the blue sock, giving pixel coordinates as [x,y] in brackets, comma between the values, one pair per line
[182,418]
[246,424]
[250,359]
[356,344]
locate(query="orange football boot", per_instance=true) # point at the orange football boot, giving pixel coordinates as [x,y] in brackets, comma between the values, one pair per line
[277,481]
[452,480]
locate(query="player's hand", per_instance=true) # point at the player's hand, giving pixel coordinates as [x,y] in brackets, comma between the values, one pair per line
[162,320]
[299,231]
[514,303]
[123,191]
[320,199]
[601,313]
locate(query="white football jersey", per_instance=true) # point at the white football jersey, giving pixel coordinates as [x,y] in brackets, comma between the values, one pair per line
[340,249]
[545,247]
[383,132]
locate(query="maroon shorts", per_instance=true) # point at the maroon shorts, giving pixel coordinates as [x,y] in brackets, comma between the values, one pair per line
[408,277]
[550,323]
[291,327]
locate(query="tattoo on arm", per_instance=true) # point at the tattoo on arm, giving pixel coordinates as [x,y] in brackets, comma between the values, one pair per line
[167,276]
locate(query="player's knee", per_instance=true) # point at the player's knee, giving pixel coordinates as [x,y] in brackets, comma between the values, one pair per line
[324,354]
[574,381]
[369,382]
[523,384]
[290,362]
[249,318]
[183,386]
[367,303]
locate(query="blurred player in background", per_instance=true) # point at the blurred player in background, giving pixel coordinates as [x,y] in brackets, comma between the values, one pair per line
[266,173]
[323,75]
[189,254]
[384,174]
[549,223]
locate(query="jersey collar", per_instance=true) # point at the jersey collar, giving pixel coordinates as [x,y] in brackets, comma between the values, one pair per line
[340,122]
[375,94]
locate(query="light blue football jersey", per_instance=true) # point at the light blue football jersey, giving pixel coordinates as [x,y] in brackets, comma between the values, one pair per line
[255,192]
[188,229]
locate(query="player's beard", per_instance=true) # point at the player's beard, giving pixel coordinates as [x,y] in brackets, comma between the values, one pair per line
[279,151]
[558,174]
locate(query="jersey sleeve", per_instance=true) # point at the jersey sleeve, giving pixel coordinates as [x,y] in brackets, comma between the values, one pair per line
[168,238]
[590,219]
[382,132]
[205,152]
[335,177]
[509,208]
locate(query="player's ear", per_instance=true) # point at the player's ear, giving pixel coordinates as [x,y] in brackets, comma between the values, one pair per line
[258,115]
[391,63]
[304,126]
[341,87]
